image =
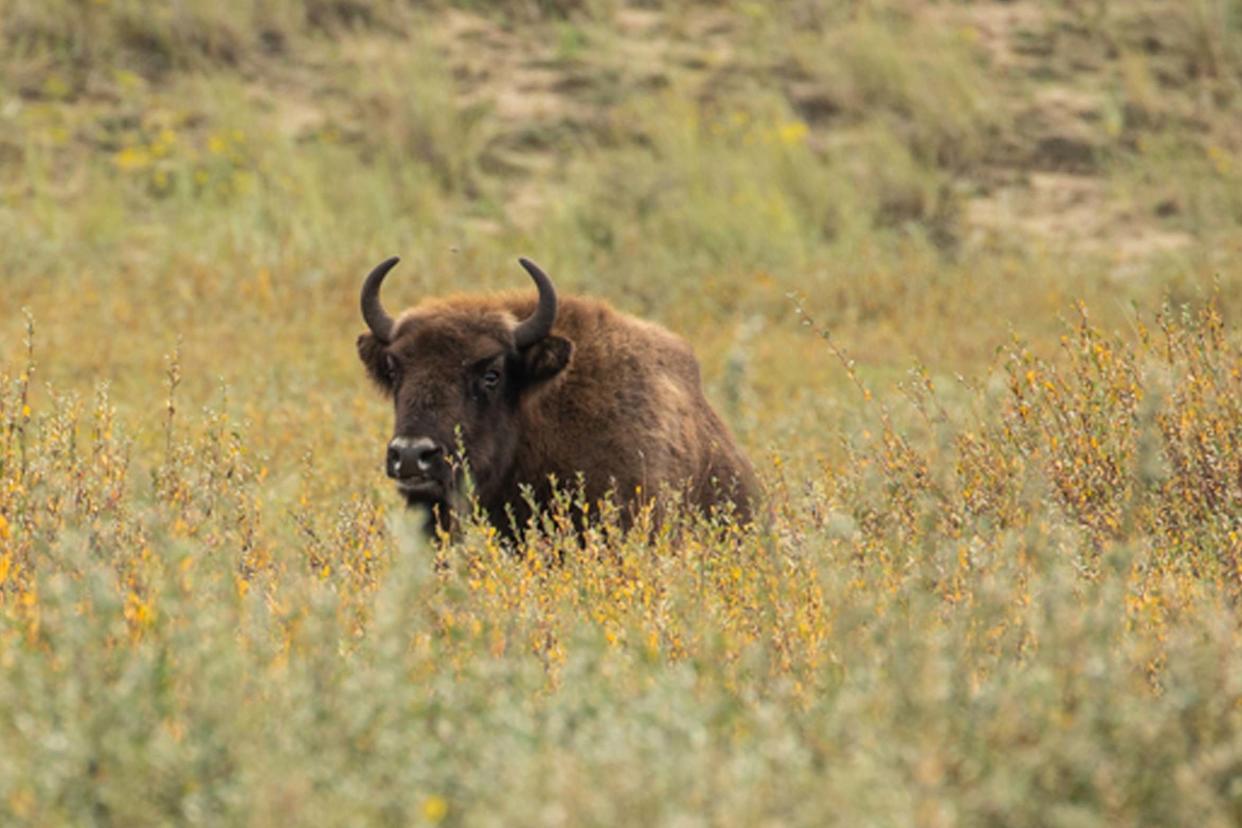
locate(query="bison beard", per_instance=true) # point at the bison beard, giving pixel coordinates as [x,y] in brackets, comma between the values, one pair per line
[524,391]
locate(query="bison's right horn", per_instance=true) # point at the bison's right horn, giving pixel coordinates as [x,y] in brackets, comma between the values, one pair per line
[539,324]
[377,319]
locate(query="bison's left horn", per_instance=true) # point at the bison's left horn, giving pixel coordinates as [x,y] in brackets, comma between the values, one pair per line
[377,319]
[539,324]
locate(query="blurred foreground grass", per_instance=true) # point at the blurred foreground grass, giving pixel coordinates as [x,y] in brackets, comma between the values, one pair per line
[1001,577]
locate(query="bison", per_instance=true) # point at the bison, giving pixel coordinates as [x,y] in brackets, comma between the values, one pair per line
[533,390]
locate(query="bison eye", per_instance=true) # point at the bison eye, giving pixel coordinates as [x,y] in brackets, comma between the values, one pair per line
[491,379]
[390,365]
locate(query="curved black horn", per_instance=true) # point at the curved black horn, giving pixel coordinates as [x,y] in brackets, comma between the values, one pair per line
[377,319]
[539,324]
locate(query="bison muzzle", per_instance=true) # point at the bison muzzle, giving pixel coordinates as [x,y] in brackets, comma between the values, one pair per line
[527,392]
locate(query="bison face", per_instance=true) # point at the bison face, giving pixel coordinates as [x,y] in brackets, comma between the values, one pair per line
[456,376]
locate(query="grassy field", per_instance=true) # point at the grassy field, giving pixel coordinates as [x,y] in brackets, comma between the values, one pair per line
[964,279]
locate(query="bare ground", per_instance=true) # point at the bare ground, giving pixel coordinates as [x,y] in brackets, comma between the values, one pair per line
[1044,184]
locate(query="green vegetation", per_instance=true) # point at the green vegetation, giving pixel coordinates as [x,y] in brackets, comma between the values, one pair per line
[964,278]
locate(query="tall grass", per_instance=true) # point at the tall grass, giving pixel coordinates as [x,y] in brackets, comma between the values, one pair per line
[1028,610]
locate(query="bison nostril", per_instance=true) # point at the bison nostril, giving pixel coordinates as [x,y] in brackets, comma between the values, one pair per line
[425,455]
[411,457]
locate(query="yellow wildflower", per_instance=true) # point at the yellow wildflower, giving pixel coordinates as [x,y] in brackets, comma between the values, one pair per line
[435,808]
[131,158]
[793,132]
[1222,162]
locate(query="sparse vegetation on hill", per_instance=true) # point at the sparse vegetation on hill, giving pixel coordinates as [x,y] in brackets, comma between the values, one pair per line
[964,278]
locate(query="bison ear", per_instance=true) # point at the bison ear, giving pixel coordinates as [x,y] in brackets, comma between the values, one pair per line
[546,358]
[371,352]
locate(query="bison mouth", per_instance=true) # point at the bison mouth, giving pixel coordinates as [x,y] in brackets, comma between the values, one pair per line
[421,489]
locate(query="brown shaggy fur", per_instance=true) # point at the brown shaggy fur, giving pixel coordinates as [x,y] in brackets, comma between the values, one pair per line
[605,395]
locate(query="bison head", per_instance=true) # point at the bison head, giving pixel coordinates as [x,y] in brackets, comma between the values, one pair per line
[457,373]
